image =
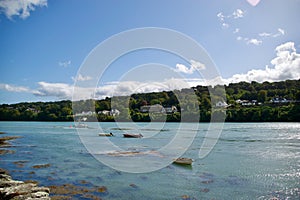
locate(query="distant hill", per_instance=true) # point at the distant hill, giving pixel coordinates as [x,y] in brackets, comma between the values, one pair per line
[245,102]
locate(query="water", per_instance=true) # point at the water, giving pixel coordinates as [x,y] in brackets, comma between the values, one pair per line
[250,161]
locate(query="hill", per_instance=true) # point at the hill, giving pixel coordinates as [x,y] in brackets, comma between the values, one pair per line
[245,102]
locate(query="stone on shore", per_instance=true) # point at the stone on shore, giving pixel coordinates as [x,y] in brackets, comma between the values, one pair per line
[18,190]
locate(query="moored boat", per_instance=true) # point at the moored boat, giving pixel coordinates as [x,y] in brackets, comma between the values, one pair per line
[106,134]
[183,161]
[127,135]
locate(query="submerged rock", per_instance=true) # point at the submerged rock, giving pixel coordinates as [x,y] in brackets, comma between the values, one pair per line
[133,186]
[13,189]
[41,166]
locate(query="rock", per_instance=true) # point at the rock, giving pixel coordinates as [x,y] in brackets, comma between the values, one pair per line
[41,166]
[18,190]
[102,189]
[133,185]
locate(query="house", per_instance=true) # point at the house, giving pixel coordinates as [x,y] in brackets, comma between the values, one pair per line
[279,100]
[222,104]
[113,112]
[32,110]
[247,102]
[83,113]
[104,112]
[171,109]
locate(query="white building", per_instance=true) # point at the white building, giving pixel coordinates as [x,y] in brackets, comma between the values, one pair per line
[222,104]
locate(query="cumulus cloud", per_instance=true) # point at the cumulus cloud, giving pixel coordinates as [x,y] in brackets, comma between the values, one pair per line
[125,88]
[286,65]
[21,8]
[194,66]
[13,88]
[64,63]
[60,90]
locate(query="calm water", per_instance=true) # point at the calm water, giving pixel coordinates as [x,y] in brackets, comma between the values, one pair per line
[250,161]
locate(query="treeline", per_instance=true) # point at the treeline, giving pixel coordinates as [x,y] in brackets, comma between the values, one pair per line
[243,102]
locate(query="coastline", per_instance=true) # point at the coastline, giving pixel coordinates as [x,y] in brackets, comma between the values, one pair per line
[11,189]
[16,189]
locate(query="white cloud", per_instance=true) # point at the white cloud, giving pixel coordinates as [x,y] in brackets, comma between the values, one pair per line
[279,32]
[286,65]
[289,46]
[21,8]
[13,88]
[182,68]
[254,41]
[238,13]
[130,87]
[194,66]
[197,65]
[60,90]
[221,16]
[264,34]
[64,63]
[80,77]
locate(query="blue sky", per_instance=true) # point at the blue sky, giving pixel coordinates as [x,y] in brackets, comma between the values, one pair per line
[44,42]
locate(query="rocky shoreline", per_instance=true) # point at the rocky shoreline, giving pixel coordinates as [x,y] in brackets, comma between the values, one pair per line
[19,190]
[11,189]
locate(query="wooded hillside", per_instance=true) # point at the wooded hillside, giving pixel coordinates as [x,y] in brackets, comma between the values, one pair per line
[245,102]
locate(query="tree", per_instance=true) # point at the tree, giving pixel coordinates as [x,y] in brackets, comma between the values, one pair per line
[262,96]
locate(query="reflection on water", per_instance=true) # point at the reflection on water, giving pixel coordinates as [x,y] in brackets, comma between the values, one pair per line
[250,161]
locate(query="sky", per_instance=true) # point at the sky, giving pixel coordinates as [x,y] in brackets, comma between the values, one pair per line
[45,44]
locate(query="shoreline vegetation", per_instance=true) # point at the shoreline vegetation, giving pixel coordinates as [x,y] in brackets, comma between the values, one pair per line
[244,102]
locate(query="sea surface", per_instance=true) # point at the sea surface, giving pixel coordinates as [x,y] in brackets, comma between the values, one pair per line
[249,161]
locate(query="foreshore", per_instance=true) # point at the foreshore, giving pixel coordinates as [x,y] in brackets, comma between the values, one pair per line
[11,189]
[15,189]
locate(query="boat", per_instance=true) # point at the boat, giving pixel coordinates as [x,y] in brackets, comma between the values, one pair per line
[106,134]
[183,161]
[127,135]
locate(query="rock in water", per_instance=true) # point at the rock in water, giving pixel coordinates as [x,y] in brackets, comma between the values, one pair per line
[13,190]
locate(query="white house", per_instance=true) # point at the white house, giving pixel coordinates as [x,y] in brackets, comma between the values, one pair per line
[171,109]
[114,112]
[222,104]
